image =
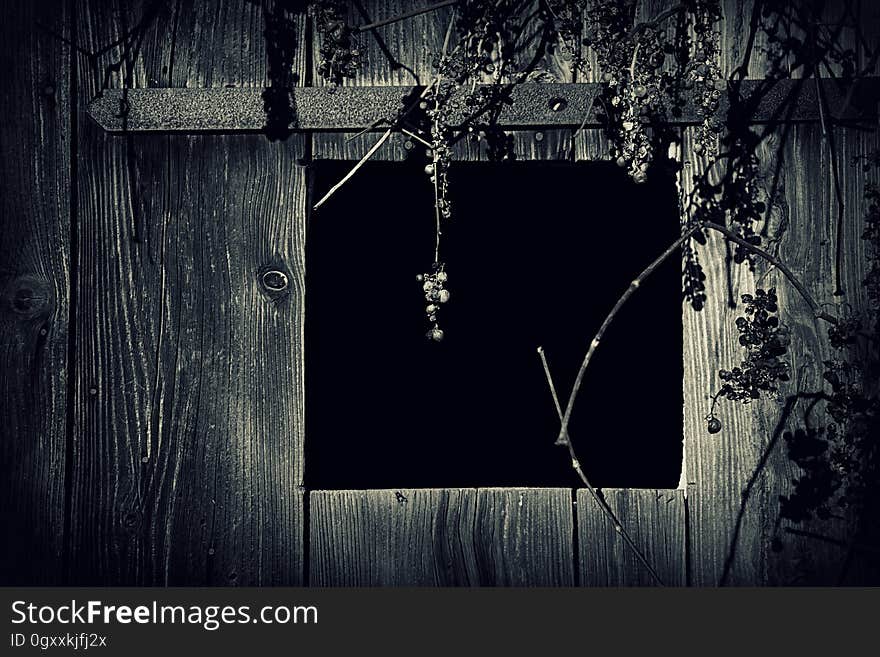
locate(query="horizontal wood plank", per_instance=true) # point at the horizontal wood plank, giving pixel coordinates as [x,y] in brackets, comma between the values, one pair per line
[442,537]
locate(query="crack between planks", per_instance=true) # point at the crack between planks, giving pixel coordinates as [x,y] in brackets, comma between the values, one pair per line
[575,538]
[72,308]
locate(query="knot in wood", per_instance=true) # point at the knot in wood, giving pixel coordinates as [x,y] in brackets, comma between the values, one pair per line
[28,297]
[274,282]
[131,520]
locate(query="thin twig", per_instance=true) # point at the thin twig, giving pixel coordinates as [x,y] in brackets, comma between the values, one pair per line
[375,147]
[587,114]
[603,505]
[730,235]
[413,135]
[375,124]
[563,432]
[405,15]
[632,65]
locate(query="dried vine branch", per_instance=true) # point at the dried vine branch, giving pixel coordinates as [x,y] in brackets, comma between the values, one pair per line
[566,418]
[818,313]
[600,500]
[394,126]
[728,234]
[375,147]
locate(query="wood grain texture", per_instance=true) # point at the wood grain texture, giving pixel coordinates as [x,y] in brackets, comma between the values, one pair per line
[808,242]
[528,145]
[592,144]
[442,537]
[726,528]
[655,519]
[34,290]
[742,47]
[187,458]
[217,43]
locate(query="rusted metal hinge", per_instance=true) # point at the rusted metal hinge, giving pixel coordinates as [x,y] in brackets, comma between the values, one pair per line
[533,105]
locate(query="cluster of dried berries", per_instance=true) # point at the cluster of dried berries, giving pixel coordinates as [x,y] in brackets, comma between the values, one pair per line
[765,340]
[630,60]
[703,73]
[456,102]
[339,51]
[436,294]
[640,87]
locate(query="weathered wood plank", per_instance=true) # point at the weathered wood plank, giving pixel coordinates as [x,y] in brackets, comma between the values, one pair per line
[655,519]
[187,461]
[441,537]
[219,43]
[725,532]
[741,45]
[809,244]
[34,289]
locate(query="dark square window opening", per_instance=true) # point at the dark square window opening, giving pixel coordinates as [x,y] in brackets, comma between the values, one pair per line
[537,253]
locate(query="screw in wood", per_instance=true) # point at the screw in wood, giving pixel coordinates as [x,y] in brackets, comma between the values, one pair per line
[557,104]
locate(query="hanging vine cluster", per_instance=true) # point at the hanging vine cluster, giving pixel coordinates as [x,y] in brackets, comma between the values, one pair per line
[648,69]
[339,45]
[766,341]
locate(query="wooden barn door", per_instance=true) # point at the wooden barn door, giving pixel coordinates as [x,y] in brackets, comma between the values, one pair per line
[152,318]
[164,442]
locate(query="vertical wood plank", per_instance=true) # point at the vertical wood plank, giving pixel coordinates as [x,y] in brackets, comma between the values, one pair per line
[442,537]
[740,44]
[655,519]
[34,289]
[725,527]
[187,460]
[809,244]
